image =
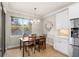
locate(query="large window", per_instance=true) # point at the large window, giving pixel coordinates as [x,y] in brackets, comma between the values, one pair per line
[20,26]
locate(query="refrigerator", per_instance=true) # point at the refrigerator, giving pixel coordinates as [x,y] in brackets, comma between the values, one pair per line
[75,37]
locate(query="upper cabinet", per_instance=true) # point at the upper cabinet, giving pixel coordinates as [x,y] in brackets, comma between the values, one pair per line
[74,11]
[62,20]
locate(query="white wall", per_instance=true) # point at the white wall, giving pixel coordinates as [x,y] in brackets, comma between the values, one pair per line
[51,33]
[13,41]
[38,28]
[74,11]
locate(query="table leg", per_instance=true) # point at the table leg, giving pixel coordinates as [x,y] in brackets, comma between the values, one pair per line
[39,46]
[45,44]
[20,44]
[23,49]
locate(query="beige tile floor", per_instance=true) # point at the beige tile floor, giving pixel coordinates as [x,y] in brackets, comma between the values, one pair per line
[48,52]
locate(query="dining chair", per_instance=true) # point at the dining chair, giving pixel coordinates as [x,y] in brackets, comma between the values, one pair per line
[42,42]
[30,45]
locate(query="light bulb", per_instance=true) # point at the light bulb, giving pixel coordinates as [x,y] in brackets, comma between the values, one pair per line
[38,21]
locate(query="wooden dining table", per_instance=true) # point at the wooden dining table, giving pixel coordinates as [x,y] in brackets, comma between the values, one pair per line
[23,40]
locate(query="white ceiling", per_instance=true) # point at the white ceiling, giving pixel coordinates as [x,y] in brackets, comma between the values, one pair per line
[43,8]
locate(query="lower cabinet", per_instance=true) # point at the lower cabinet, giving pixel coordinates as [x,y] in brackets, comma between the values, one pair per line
[61,45]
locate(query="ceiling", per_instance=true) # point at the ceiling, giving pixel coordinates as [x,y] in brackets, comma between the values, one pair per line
[43,8]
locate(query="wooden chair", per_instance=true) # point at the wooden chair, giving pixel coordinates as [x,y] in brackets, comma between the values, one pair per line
[30,45]
[41,42]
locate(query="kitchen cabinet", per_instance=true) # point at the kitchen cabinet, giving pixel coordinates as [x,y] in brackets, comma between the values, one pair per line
[61,42]
[62,20]
[74,11]
[61,45]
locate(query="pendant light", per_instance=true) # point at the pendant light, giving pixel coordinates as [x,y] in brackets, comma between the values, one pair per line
[35,19]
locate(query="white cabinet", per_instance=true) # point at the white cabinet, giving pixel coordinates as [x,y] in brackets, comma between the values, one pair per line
[60,41]
[62,20]
[61,45]
[74,11]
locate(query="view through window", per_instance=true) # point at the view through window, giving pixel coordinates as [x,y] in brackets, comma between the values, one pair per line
[20,26]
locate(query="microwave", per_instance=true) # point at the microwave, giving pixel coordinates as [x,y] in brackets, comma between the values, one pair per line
[74,32]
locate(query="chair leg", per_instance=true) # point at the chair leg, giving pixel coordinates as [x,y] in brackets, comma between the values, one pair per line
[34,49]
[23,49]
[39,47]
[31,49]
[26,49]
[44,45]
[28,52]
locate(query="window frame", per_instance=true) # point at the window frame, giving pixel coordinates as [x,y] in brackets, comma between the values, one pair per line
[20,26]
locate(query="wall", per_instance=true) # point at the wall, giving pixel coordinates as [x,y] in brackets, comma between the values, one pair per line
[38,28]
[74,10]
[51,33]
[13,41]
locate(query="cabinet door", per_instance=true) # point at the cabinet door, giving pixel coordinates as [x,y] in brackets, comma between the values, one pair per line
[64,46]
[62,20]
[74,11]
[57,44]
[61,45]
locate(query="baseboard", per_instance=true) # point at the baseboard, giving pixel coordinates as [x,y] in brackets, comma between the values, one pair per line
[49,43]
[14,46]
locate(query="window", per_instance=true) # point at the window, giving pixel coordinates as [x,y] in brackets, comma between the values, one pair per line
[20,26]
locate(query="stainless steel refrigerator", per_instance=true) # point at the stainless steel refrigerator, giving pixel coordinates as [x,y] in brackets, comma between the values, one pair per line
[75,36]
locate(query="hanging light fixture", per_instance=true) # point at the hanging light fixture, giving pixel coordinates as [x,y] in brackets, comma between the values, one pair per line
[35,19]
